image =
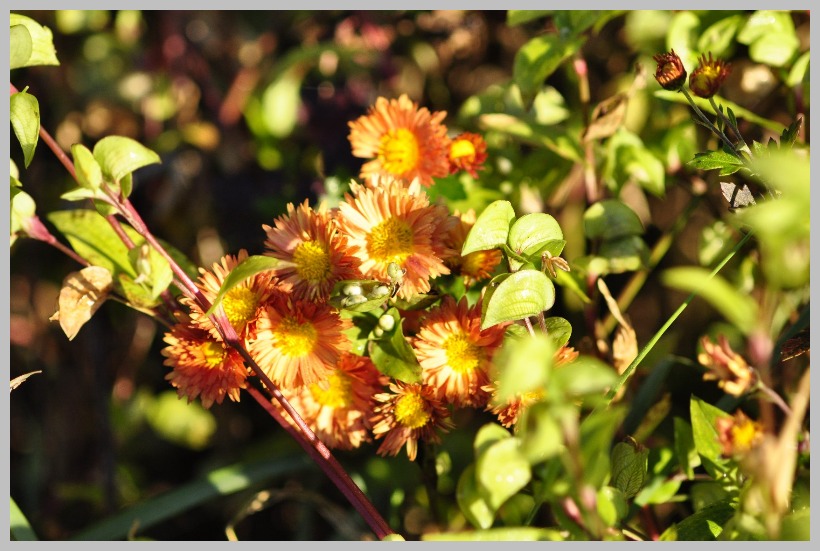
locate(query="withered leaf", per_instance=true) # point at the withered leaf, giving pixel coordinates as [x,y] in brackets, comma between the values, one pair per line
[607,117]
[82,294]
[17,381]
[738,197]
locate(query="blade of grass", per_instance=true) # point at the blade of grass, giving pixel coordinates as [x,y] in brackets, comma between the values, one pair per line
[20,528]
[220,482]
[645,350]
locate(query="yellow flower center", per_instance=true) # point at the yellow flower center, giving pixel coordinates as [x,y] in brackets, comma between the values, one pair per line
[312,262]
[477,264]
[745,435]
[295,339]
[390,241]
[398,151]
[462,355]
[410,411]
[213,352]
[240,305]
[462,149]
[337,393]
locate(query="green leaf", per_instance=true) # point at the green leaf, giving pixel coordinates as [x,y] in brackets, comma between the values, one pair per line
[738,308]
[719,36]
[42,43]
[578,21]
[470,500]
[629,467]
[616,256]
[611,219]
[771,37]
[501,471]
[612,506]
[186,424]
[487,435]
[556,139]
[216,484]
[711,160]
[585,375]
[280,102]
[798,72]
[22,209]
[18,524]
[706,106]
[685,450]
[21,46]
[536,60]
[515,533]
[249,267]
[490,229]
[596,433]
[518,17]
[526,366]
[705,525]
[516,296]
[540,432]
[530,232]
[24,114]
[559,330]
[704,417]
[658,491]
[92,238]
[393,355]
[87,169]
[119,156]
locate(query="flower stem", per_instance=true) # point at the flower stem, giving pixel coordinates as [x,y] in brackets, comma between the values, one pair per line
[714,129]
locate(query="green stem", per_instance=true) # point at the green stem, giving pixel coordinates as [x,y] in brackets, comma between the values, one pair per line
[715,130]
[727,122]
[653,341]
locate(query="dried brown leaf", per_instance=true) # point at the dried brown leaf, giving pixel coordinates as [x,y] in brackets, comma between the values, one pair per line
[82,294]
[17,381]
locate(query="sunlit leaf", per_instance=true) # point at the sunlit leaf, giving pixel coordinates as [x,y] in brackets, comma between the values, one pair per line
[539,58]
[81,296]
[17,381]
[21,46]
[559,330]
[685,450]
[501,471]
[704,417]
[704,525]
[540,431]
[491,228]
[393,355]
[611,505]
[532,231]
[518,17]
[517,296]
[24,114]
[280,103]
[119,156]
[629,467]
[19,526]
[249,267]
[42,43]
[526,366]
[185,424]
[86,167]
[737,307]
[513,533]
[470,500]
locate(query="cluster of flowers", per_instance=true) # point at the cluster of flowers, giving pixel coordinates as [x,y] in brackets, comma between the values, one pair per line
[301,341]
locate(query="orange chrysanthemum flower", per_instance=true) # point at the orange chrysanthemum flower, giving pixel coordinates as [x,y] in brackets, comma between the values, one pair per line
[299,342]
[478,265]
[242,304]
[407,414]
[468,151]
[509,413]
[455,354]
[202,366]
[338,409]
[403,141]
[313,253]
[391,221]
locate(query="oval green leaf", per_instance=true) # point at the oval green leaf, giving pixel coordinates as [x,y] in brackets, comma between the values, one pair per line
[247,268]
[470,500]
[559,330]
[490,229]
[532,231]
[119,156]
[21,46]
[42,43]
[502,470]
[24,115]
[611,219]
[392,354]
[87,169]
[629,462]
[517,296]
[526,366]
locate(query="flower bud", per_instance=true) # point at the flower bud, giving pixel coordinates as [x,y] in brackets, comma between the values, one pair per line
[670,74]
[709,76]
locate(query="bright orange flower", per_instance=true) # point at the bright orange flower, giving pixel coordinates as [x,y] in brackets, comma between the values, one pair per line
[455,354]
[299,342]
[407,414]
[313,253]
[478,265]
[403,141]
[391,221]
[468,151]
[242,304]
[509,413]
[202,366]
[338,409]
